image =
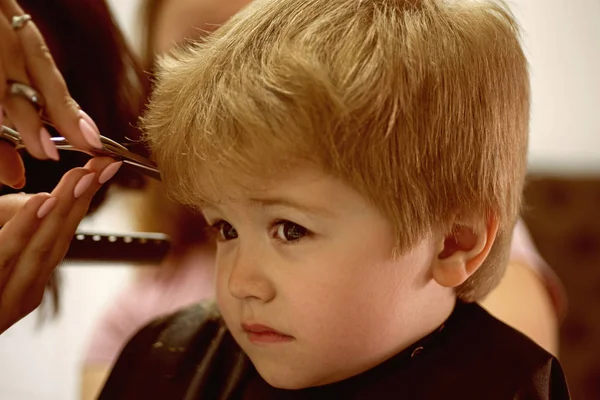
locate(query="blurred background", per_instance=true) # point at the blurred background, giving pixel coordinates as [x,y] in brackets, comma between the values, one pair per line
[562,40]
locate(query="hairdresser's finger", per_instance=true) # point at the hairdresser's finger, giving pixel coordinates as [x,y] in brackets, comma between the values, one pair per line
[30,272]
[18,229]
[21,112]
[12,172]
[8,40]
[50,243]
[43,74]
[104,169]
[17,303]
[23,290]
[2,90]
[99,164]
[27,121]
[60,108]
[72,195]
[10,204]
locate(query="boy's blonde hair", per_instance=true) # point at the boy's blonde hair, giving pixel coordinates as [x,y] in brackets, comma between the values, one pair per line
[421,105]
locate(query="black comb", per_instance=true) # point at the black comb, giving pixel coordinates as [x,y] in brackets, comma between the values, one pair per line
[144,248]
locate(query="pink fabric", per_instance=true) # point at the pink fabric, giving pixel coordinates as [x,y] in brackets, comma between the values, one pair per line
[146,299]
[150,298]
[522,249]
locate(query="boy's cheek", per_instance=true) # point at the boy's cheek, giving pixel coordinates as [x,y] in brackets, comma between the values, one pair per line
[226,305]
[223,296]
[221,279]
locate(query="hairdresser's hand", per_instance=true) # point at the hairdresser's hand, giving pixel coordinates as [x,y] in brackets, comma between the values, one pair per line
[36,236]
[24,58]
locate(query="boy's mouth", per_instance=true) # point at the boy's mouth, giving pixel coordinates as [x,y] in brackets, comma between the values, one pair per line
[258,333]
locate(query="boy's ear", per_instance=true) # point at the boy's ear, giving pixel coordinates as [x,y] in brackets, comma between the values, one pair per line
[463,251]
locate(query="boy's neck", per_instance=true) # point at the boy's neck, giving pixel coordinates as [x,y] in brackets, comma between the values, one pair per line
[434,315]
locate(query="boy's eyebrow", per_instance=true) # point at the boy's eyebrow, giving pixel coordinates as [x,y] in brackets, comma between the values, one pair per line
[281,201]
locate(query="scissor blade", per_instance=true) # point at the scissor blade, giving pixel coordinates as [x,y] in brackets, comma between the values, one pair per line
[150,172]
[111,149]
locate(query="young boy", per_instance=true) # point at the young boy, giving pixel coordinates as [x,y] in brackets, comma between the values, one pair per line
[362,163]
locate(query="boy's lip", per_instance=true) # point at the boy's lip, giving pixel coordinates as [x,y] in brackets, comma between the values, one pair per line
[260,328]
[259,333]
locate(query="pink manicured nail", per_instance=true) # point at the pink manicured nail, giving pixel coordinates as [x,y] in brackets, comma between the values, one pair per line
[109,172]
[89,120]
[46,207]
[48,145]
[90,134]
[84,184]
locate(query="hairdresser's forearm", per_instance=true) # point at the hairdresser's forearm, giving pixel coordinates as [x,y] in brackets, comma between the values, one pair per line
[523,302]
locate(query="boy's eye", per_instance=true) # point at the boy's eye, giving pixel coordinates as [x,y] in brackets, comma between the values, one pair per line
[226,230]
[289,231]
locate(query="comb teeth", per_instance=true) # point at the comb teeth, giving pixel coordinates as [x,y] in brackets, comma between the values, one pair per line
[94,248]
[99,263]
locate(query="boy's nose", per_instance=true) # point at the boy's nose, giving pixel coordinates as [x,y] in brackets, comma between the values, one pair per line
[248,280]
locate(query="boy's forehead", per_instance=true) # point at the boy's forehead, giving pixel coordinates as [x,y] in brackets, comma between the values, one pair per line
[281,189]
[306,189]
[274,201]
[242,185]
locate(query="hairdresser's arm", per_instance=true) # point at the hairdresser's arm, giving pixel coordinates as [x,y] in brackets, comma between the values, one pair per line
[36,233]
[523,302]
[25,58]
[530,296]
[93,380]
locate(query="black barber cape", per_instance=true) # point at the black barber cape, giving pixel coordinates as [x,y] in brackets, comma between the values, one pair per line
[190,355]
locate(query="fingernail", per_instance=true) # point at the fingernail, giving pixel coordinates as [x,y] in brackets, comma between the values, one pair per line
[89,133]
[89,120]
[84,184]
[46,207]
[109,172]
[49,147]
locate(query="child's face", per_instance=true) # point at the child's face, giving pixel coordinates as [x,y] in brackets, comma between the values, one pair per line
[310,258]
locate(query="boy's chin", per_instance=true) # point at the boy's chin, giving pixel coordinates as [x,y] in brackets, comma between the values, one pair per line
[284,377]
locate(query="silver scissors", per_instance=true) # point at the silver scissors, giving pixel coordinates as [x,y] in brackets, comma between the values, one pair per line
[110,149]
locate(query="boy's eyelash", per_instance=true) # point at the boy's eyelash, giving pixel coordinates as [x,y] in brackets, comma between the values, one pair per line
[216,228]
[277,223]
[216,225]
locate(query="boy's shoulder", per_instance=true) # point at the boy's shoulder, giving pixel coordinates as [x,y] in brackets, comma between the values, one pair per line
[478,356]
[473,356]
[176,356]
